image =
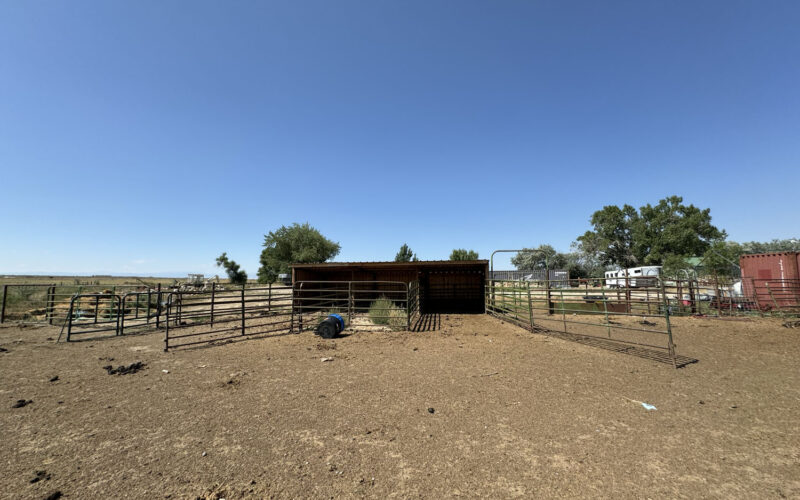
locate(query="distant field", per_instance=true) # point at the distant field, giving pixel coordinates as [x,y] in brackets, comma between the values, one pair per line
[92,280]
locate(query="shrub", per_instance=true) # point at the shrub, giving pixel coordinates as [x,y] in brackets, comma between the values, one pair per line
[384,312]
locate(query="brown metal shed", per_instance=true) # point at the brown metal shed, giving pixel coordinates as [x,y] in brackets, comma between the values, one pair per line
[444,286]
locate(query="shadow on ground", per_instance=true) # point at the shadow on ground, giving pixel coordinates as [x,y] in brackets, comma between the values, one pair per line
[622,347]
[427,323]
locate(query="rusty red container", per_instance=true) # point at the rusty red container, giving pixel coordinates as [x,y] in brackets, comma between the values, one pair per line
[772,279]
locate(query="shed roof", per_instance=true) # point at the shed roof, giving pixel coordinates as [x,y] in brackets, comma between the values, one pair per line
[393,265]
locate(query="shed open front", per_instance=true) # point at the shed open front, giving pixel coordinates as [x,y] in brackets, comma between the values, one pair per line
[444,286]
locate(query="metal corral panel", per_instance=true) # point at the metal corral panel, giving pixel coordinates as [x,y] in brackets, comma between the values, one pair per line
[445,286]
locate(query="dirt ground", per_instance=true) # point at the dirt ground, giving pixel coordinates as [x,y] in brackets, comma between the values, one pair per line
[476,408]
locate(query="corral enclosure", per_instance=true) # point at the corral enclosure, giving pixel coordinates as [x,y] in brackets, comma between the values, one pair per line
[444,286]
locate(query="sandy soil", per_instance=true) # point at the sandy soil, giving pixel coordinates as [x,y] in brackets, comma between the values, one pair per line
[475,408]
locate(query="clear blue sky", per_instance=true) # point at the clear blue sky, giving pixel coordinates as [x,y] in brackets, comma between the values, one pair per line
[149,136]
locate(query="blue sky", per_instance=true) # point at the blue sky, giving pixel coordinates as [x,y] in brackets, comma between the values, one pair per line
[148,137]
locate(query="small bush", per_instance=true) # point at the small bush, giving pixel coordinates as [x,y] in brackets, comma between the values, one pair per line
[384,312]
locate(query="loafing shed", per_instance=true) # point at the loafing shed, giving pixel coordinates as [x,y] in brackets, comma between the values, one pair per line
[444,286]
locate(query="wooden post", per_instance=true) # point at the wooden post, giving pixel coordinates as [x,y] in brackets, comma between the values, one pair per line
[51,298]
[3,306]
[563,311]
[242,309]
[213,292]
[627,292]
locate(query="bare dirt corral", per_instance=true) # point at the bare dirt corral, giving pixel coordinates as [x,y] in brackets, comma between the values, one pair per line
[512,414]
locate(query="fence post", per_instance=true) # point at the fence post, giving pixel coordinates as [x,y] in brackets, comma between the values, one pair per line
[530,305]
[242,309]
[291,312]
[51,298]
[408,307]
[547,291]
[158,312]
[69,317]
[627,292]
[563,311]
[147,311]
[671,345]
[605,312]
[158,306]
[269,298]
[350,302]
[120,312]
[121,327]
[3,307]
[213,292]
[717,295]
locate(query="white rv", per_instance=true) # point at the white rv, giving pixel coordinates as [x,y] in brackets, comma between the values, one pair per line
[635,276]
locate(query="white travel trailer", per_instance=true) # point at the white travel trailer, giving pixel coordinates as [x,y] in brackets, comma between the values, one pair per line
[635,276]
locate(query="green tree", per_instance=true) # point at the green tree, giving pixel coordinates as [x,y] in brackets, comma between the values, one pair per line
[236,275]
[611,241]
[672,228]
[582,264]
[405,255]
[296,244]
[463,254]
[625,237]
[539,258]
[776,245]
[722,258]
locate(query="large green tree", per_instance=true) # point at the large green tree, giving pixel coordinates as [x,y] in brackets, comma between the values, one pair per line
[236,275]
[405,254]
[673,228]
[653,235]
[296,244]
[463,254]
